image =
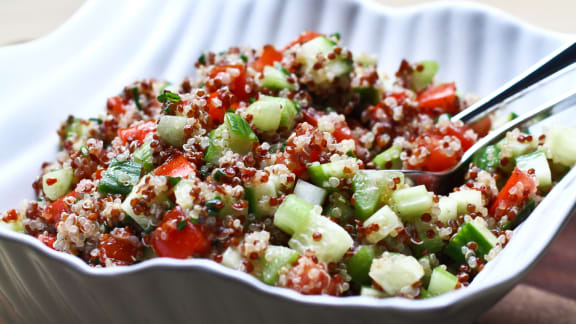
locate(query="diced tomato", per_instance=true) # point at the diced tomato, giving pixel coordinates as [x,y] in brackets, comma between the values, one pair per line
[399,96]
[47,238]
[136,133]
[54,211]
[238,79]
[98,174]
[217,111]
[483,126]
[121,247]
[311,116]
[342,132]
[310,278]
[175,167]
[303,38]
[269,56]
[515,192]
[177,237]
[11,216]
[460,133]
[439,99]
[438,158]
[115,105]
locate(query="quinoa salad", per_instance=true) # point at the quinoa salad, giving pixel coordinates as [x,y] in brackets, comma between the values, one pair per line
[282,163]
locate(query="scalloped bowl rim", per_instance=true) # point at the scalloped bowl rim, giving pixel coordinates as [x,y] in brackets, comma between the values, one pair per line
[251,282]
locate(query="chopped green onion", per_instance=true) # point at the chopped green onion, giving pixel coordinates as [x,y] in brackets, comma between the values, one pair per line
[218,174]
[213,206]
[336,35]
[251,99]
[136,96]
[202,59]
[98,120]
[181,225]
[174,180]
[169,96]
[204,171]
[244,58]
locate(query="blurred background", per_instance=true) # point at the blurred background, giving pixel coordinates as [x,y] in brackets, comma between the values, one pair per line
[549,291]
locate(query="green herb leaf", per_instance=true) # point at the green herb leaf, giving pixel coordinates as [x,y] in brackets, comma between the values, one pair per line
[98,120]
[283,147]
[218,174]
[136,96]
[202,59]
[143,155]
[169,96]
[120,177]
[174,180]
[240,127]
[351,154]
[181,225]
[251,100]
[193,220]
[336,35]
[214,206]
[244,58]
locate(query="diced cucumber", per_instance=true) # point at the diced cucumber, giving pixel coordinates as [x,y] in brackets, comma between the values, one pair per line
[275,259]
[143,155]
[120,177]
[393,271]
[430,241]
[232,258]
[359,264]
[368,95]
[372,292]
[372,189]
[423,75]
[411,203]
[339,206]
[333,243]
[310,193]
[79,128]
[389,159]
[171,129]
[287,107]
[308,53]
[474,231]
[424,293]
[217,144]
[388,225]
[276,79]
[428,262]
[522,215]
[182,193]
[265,114]
[241,135]
[441,282]
[467,197]
[57,183]
[327,175]
[13,225]
[539,163]
[145,221]
[502,119]
[511,147]
[448,209]
[258,196]
[293,215]
[561,145]
[487,158]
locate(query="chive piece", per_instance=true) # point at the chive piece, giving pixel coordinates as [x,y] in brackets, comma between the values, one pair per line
[218,174]
[181,225]
[136,96]
[244,58]
[98,120]
[336,35]
[169,96]
[351,153]
[174,180]
[120,177]
[283,147]
[213,206]
[251,100]
[193,220]
[202,59]
[84,150]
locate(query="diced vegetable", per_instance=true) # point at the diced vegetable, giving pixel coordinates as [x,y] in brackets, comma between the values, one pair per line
[467,197]
[176,167]
[182,193]
[389,159]
[325,238]
[276,79]
[519,187]
[143,155]
[394,271]
[359,264]
[338,206]
[500,120]
[120,177]
[368,95]
[232,258]
[265,114]
[430,241]
[536,161]
[269,56]
[275,259]
[136,133]
[412,202]
[177,237]
[258,196]
[561,145]
[308,53]
[57,183]
[310,193]
[487,158]
[372,189]
[474,231]
[388,225]
[423,75]
[441,282]
[439,99]
[328,175]
[293,215]
[448,209]
[522,215]
[372,292]
[235,134]
[171,129]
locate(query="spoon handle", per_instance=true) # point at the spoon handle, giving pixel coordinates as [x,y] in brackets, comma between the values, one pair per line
[553,63]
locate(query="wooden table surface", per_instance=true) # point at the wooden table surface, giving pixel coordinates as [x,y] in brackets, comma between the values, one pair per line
[547,294]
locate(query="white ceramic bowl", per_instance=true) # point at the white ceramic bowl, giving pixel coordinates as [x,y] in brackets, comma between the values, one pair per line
[104,47]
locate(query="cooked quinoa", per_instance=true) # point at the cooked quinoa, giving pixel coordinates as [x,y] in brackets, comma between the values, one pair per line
[279,163]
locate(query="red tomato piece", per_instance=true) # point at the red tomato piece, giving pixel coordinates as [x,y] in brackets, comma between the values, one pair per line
[237,83]
[121,247]
[303,38]
[175,167]
[515,192]
[460,133]
[217,111]
[438,158]
[342,132]
[11,216]
[439,99]
[177,237]
[310,278]
[269,56]
[115,105]
[311,116]
[483,126]
[47,238]
[136,133]
[53,212]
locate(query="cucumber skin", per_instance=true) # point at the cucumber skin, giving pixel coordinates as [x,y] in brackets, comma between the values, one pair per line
[467,233]
[389,159]
[293,207]
[171,129]
[275,79]
[410,203]
[441,282]
[64,178]
[432,245]
[359,264]
[282,257]
[487,158]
